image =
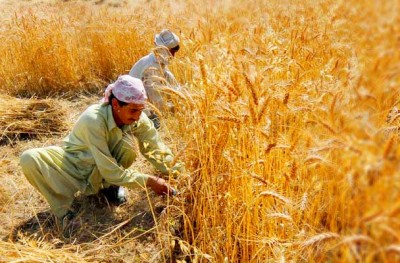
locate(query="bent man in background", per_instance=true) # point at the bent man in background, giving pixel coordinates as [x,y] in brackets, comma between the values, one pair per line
[153,71]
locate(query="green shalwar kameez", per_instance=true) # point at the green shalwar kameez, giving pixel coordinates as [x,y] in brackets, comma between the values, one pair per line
[96,154]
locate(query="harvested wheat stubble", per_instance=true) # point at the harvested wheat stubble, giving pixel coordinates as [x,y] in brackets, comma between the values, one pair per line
[34,251]
[4,198]
[29,118]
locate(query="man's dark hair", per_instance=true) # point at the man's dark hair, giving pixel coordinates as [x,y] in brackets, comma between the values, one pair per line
[120,103]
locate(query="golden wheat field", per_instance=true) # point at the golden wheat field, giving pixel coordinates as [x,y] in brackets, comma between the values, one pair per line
[288,122]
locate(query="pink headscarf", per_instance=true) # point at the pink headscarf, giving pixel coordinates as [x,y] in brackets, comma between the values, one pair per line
[126,89]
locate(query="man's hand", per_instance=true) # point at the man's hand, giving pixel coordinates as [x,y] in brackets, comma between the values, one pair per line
[159,186]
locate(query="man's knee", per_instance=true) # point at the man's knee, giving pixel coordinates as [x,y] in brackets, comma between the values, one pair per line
[27,159]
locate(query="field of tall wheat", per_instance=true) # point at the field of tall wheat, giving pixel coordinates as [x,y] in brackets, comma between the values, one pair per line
[288,123]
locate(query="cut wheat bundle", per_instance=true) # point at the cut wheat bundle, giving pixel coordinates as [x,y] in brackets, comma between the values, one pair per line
[4,199]
[29,118]
[36,251]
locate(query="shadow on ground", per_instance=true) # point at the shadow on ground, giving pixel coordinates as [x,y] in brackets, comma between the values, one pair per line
[96,219]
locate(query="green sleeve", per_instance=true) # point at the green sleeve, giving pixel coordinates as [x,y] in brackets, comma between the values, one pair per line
[151,145]
[93,132]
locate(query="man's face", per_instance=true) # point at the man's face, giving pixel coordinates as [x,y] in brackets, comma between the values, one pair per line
[174,50]
[125,115]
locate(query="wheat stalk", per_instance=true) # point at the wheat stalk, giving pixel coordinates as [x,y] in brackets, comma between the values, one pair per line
[173,92]
[229,119]
[275,195]
[203,71]
[259,178]
[280,216]
[388,147]
[154,108]
[263,109]
[286,98]
[252,88]
[293,169]
[232,89]
[270,147]
[319,238]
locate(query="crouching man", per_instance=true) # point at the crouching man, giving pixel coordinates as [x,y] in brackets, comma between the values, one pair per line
[98,153]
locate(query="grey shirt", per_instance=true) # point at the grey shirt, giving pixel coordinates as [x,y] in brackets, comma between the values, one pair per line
[154,74]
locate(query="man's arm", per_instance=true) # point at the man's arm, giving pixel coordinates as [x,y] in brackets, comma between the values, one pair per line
[172,82]
[152,147]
